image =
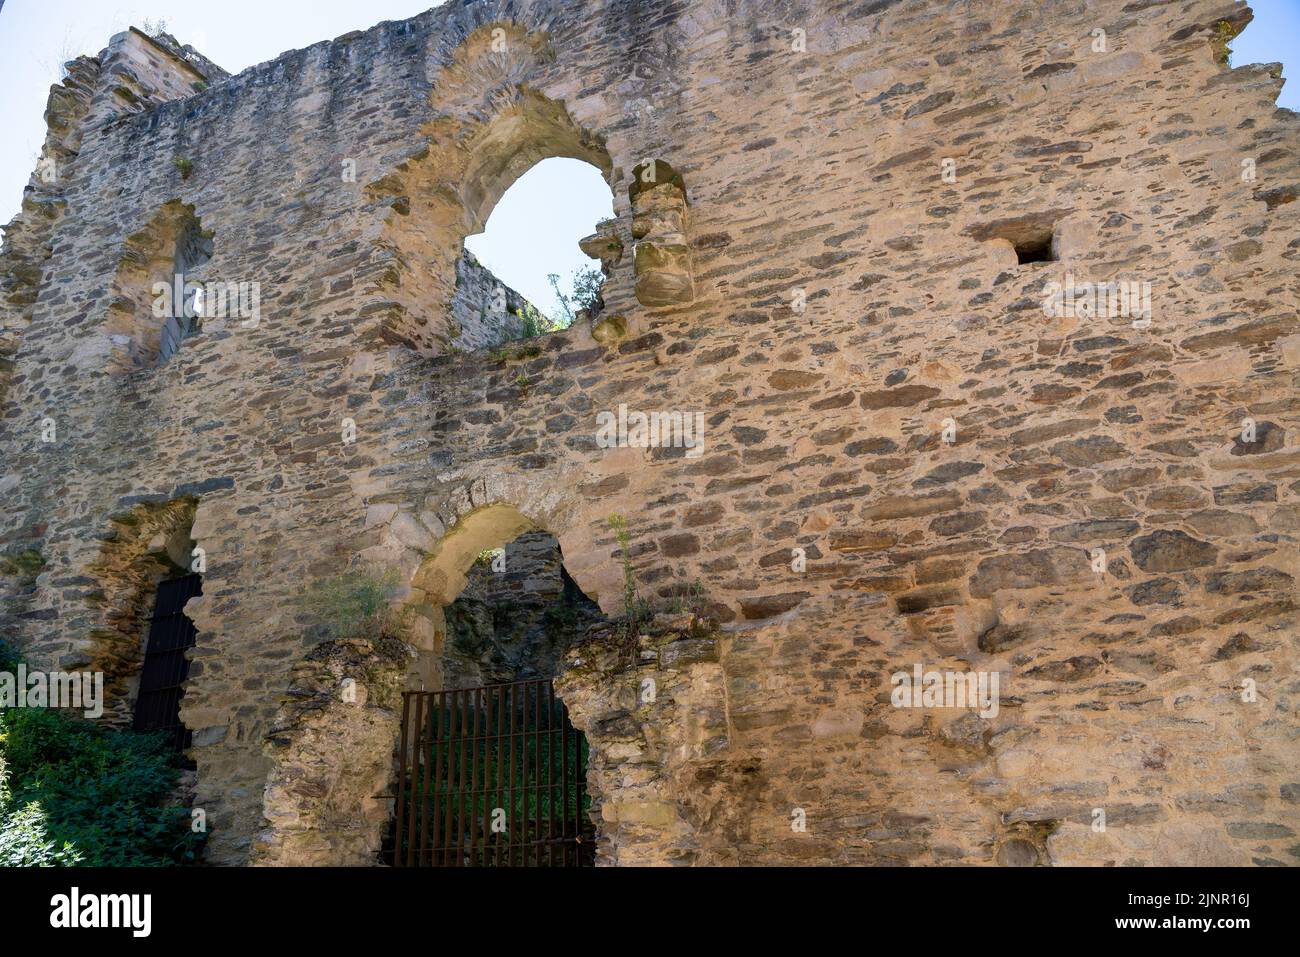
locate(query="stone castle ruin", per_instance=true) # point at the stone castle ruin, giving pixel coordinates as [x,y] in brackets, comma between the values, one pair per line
[989,316]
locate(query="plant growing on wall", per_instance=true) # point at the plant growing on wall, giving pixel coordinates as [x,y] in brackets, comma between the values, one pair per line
[690,599]
[584,293]
[636,610]
[534,323]
[357,604]
[1224,33]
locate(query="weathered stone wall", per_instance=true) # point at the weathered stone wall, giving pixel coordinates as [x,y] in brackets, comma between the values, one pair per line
[849,303]
[515,618]
[486,311]
[134,73]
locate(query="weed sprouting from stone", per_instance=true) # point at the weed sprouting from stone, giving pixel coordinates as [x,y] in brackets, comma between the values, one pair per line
[690,600]
[584,295]
[636,610]
[1223,35]
[356,604]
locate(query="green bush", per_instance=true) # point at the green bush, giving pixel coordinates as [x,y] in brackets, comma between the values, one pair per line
[533,322]
[72,793]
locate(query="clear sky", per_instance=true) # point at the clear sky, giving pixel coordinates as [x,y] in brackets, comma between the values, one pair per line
[535,227]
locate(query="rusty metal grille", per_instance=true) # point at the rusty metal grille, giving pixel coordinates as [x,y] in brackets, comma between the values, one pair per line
[162,676]
[491,777]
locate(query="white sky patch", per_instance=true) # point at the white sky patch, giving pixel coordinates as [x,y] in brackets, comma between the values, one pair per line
[535,228]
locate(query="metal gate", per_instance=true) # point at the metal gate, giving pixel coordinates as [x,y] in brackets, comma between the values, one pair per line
[162,676]
[491,777]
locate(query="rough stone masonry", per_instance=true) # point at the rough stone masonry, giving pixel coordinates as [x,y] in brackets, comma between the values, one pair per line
[837,226]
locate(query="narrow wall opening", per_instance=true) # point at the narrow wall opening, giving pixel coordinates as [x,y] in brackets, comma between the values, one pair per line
[146,547]
[1035,237]
[169,634]
[1035,248]
[156,304]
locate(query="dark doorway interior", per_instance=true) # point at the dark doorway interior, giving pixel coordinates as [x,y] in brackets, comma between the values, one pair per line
[518,615]
[162,676]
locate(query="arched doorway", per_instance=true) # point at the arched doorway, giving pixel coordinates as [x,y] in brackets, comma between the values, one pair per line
[491,772]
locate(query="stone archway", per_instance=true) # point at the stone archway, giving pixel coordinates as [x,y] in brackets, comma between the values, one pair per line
[333,741]
[143,546]
[655,747]
[491,128]
[650,699]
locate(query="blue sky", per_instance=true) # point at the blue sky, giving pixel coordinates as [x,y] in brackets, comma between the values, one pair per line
[545,212]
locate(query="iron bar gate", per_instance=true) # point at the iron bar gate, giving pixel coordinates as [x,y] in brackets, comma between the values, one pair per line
[491,777]
[162,676]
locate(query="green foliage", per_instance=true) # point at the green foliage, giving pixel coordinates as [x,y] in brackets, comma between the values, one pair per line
[72,793]
[25,840]
[584,293]
[9,658]
[184,165]
[534,322]
[587,283]
[1224,33]
[357,603]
